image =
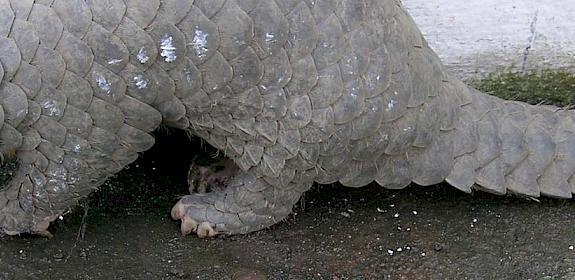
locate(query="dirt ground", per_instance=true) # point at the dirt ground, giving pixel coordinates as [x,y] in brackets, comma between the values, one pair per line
[124,232]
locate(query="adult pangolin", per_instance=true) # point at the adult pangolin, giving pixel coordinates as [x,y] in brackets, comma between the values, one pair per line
[293,91]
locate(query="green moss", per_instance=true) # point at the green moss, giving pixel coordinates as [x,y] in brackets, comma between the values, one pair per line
[547,87]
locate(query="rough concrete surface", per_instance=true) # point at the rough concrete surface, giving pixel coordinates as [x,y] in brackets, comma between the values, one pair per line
[476,37]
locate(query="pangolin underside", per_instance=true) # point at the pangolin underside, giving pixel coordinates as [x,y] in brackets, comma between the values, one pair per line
[293,91]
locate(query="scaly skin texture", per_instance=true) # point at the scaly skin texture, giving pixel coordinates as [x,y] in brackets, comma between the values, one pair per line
[293,91]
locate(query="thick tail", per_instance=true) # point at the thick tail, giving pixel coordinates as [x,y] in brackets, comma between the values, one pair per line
[512,147]
[436,128]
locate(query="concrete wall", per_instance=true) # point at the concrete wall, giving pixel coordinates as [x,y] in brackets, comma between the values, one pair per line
[474,37]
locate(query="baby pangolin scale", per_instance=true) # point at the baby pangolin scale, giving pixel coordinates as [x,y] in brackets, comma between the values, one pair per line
[293,91]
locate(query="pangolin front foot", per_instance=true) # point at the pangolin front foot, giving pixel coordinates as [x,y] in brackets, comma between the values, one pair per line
[206,183]
[246,204]
[194,211]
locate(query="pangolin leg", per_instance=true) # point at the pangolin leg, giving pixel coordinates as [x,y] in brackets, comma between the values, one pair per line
[247,204]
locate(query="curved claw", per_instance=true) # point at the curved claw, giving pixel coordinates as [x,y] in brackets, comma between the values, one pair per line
[178,211]
[190,225]
[202,230]
[41,228]
[205,229]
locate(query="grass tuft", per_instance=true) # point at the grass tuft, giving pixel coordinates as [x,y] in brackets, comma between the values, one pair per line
[553,87]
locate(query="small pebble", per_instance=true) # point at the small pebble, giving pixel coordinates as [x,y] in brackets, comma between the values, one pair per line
[437,247]
[571,247]
[345,214]
[390,252]
[414,212]
[396,215]
[423,254]
[399,249]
